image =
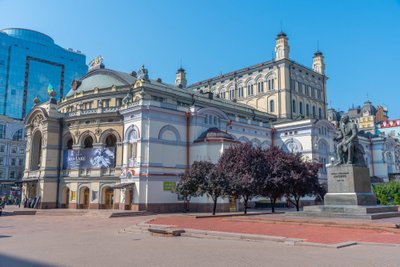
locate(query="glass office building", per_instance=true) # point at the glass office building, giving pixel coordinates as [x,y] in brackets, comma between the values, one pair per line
[29,62]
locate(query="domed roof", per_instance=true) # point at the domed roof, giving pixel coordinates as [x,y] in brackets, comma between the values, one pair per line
[102,78]
[368,108]
[214,133]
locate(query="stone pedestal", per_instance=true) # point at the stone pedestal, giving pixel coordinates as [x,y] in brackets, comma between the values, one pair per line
[349,185]
[349,196]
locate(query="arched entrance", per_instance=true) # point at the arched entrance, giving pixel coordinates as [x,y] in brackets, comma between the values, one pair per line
[66,193]
[128,198]
[84,197]
[107,198]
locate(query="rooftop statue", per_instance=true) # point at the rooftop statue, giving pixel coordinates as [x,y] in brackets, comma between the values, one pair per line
[348,150]
[143,74]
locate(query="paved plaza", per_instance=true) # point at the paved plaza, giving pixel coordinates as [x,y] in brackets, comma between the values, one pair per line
[93,239]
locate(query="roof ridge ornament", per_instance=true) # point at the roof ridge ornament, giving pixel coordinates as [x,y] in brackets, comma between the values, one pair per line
[96,63]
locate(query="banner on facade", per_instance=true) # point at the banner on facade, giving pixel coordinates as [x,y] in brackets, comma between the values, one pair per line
[169,186]
[89,158]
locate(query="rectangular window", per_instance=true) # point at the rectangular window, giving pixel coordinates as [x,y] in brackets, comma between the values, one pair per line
[22,150]
[20,162]
[119,102]
[12,174]
[12,162]
[106,103]
[14,150]
[1,148]
[1,161]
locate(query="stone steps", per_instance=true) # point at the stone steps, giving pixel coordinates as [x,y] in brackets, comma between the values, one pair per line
[351,212]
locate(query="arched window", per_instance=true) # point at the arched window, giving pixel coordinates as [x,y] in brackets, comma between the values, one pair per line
[313,111]
[320,113]
[271,106]
[307,110]
[36,157]
[132,148]
[18,135]
[301,108]
[111,141]
[111,144]
[271,85]
[250,89]
[260,86]
[88,143]
[241,92]
[294,106]
[231,94]
[223,95]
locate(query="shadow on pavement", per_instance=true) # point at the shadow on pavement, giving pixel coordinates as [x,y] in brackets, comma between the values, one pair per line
[11,261]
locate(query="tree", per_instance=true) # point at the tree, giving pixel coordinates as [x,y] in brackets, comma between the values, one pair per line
[387,193]
[242,166]
[191,183]
[301,179]
[274,172]
[216,184]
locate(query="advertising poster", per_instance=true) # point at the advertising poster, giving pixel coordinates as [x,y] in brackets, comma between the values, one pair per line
[89,158]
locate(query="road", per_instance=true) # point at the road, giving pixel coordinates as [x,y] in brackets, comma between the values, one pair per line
[93,240]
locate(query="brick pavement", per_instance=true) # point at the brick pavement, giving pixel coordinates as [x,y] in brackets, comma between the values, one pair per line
[309,232]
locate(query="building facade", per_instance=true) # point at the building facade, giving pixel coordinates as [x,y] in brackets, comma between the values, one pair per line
[12,153]
[29,62]
[120,140]
[281,86]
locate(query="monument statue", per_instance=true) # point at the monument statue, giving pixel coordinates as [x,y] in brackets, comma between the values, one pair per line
[348,150]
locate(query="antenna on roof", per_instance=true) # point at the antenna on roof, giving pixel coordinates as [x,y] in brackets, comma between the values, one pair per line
[367,97]
[317,45]
[181,63]
[281,26]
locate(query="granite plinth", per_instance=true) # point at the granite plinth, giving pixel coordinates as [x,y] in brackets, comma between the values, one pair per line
[349,196]
[349,185]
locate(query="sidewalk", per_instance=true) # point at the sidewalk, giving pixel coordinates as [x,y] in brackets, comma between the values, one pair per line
[331,231]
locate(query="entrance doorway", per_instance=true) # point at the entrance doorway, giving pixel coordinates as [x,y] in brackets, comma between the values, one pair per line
[128,198]
[108,198]
[66,197]
[84,198]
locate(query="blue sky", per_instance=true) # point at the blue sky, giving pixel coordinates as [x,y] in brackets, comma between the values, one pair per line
[360,39]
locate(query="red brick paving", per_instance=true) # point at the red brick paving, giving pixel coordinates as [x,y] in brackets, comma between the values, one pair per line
[311,233]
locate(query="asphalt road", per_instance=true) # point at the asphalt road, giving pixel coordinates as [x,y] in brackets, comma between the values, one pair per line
[92,240]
